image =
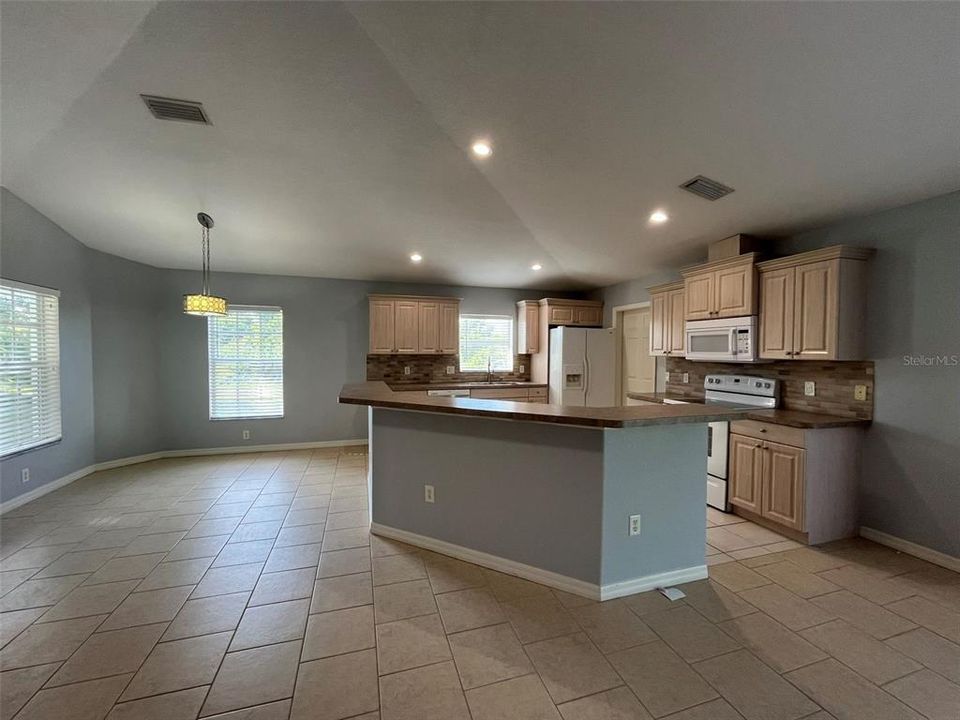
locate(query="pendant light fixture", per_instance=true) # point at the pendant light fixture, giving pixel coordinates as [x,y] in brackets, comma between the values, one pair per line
[205,303]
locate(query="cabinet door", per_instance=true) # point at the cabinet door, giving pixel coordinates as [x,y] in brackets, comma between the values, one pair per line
[676,337]
[699,294]
[746,472]
[735,291]
[561,315]
[528,329]
[407,327]
[816,311]
[429,331]
[659,324]
[783,485]
[382,324]
[450,328]
[776,313]
[589,316]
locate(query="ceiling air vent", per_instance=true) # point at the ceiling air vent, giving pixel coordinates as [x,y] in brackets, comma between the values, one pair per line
[706,188]
[179,110]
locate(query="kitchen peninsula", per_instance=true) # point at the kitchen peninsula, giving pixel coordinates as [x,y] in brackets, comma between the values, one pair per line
[543,492]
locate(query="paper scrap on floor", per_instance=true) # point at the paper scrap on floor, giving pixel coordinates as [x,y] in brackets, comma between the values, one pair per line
[672,593]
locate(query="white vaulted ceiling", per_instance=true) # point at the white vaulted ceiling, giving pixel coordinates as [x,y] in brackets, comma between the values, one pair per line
[341,132]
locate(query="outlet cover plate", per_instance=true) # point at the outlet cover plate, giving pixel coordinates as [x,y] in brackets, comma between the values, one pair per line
[860,392]
[810,388]
[634,525]
[428,494]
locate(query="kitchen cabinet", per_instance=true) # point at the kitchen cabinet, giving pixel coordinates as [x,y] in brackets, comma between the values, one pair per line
[667,336]
[721,289]
[407,327]
[581,313]
[802,482]
[812,305]
[450,327]
[410,325]
[528,327]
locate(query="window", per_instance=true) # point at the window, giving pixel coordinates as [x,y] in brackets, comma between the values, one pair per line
[484,337]
[29,366]
[246,363]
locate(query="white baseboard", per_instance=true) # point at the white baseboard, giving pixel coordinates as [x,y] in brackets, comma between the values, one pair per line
[49,487]
[538,575]
[911,548]
[652,582]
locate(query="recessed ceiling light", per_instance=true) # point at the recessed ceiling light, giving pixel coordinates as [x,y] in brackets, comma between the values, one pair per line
[536,266]
[416,257]
[658,216]
[482,148]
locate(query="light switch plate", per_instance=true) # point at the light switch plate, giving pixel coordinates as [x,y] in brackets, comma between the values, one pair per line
[686,378]
[523,369]
[810,388]
[407,369]
[428,494]
[450,369]
[246,434]
[25,475]
[859,392]
[667,378]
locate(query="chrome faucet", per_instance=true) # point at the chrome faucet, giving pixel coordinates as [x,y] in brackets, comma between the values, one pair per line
[489,369]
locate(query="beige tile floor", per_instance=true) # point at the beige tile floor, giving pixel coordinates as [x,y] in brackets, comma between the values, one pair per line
[248,587]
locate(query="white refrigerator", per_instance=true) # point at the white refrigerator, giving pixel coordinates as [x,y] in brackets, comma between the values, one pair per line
[582,367]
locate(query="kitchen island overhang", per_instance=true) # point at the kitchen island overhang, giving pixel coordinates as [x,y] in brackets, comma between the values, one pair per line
[543,492]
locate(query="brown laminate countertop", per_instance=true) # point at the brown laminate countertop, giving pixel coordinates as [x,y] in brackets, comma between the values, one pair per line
[379,394]
[790,418]
[470,385]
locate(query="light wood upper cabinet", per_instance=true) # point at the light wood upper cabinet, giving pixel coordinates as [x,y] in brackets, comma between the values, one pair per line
[429,326]
[382,335]
[589,315]
[721,289]
[528,327]
[409,325]
[667,336]
[561,314]
[582,313]
[450,328]
[812,305]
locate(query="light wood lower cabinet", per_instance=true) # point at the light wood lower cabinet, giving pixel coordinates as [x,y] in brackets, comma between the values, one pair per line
[803,481]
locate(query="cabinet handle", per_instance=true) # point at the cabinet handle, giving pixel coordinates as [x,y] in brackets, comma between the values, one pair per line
[763,430]
[758,445]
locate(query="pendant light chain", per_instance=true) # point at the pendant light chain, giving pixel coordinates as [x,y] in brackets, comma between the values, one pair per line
[206,259]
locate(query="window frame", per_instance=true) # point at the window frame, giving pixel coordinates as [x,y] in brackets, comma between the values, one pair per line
[211,366]
[42,293]
[511,335]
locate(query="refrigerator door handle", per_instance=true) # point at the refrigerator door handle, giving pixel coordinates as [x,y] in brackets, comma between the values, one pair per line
[586,380]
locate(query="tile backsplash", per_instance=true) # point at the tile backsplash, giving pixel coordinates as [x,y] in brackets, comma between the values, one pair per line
[835,383]
[433,369]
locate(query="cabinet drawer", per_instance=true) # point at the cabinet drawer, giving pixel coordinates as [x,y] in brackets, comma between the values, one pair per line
[499,394]
[769,431]
[537,393]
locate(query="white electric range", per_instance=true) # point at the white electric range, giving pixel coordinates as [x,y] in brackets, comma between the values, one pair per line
[738,391]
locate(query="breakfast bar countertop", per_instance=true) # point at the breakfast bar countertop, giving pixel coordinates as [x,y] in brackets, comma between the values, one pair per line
[790,418]
[379,394]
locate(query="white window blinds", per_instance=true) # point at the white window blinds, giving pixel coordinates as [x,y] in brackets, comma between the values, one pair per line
[246,363]
[29,366]
[483,338]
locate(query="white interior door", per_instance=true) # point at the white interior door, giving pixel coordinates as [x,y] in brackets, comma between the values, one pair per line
[638,368]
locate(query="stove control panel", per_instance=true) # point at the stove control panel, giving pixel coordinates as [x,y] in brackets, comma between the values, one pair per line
[743,384]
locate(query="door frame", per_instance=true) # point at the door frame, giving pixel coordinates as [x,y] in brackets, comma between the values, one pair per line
[616,314]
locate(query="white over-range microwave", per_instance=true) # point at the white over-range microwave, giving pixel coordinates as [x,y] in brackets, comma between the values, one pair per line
[722,340]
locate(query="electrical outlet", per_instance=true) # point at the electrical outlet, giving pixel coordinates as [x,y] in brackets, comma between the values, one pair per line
[246,434]
[859,392]
[450,369]
[667,378]
[810,388]
[407,369]
[25,475]
[634,524]
[523,369]
[428,493]
[686,378]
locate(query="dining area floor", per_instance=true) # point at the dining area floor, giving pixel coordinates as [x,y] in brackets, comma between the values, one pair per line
[249,586]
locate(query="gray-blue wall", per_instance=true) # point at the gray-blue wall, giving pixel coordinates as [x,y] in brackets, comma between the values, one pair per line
[134,368]
[910,484]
